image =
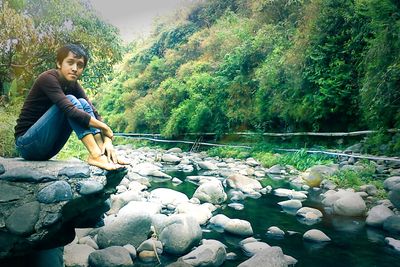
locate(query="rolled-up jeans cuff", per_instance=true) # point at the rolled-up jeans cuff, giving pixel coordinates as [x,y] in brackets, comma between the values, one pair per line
[89,131]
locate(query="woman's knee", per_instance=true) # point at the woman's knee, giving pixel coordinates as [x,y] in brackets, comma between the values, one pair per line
[85,105]
[74,101]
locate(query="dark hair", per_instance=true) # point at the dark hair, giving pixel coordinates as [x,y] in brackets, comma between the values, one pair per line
[76,49]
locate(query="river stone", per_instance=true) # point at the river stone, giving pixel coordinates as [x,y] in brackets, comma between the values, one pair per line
[268,257]
[243,183]
[51,218]
[114,256]
[315,235]
[142,207]
[120,200]
[174,150]
[277,169]
[211,191]
[238,227]
[82,171]
[275,232]
[77,255]
[377,215]
[390,182]
[252,248]
[292,194]
[350,205]
[88,240]
[202,213]
[313,176]
[169,158]
[23,219]
[252,162]
[23,174]
[89,187]
[10,193]
[147,256]
[305,210]
[394,196]
[210,253]
[394,243]
[151,244]
[131,249]
[328,184]
[55,192]
[167,196]
[131,229]
[180,234]
[2,170]
[291,204]
[207,165]
[219,220]
[236,206]
[392,224]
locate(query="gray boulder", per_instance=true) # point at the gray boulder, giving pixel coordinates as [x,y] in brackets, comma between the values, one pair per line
[211,191]
[22,221]
[77,255]
[377,215]
[392,224]
[180,233]
[394,195]
[394,243]
[243,183]
[315,235]
[252,248]
[131,229]
[313,176]
[350,205]
[390,182]
[209,253]
[268,257]
[110,257]
[169,158]
[238,227]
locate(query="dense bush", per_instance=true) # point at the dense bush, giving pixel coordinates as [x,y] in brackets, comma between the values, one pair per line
[279,65]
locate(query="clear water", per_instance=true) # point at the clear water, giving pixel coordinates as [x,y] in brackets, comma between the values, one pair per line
[353,243]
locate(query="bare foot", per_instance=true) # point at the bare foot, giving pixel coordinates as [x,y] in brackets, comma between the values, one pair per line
[123,161]
[102,162]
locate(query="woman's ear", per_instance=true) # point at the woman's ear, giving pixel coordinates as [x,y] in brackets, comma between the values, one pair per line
[58,65]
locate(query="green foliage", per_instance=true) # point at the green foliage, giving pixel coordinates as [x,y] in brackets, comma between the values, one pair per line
[8,117]
[246,65]
[301,160]
[74,148]
[361,176]
[227,152]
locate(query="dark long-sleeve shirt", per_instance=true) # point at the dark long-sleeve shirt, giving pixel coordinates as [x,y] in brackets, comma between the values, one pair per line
[49,89]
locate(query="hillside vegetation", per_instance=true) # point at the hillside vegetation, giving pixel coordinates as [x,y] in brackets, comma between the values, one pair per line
[30,33]
[220,66]
[270,65]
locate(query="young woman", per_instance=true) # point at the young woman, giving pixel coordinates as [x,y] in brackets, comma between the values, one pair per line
[57,105]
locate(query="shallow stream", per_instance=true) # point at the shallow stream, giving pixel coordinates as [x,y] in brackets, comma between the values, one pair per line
[353,243]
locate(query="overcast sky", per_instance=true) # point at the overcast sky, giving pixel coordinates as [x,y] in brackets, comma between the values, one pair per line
[134,17]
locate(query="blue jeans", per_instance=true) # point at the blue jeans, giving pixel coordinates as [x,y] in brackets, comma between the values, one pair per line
[48,135]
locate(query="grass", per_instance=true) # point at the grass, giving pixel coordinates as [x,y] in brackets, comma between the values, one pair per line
[8,118]
[75,149]
[301,160]
[356,178]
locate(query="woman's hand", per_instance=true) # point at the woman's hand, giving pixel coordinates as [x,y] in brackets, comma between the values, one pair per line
[108,149]
[104,128]
[106,131]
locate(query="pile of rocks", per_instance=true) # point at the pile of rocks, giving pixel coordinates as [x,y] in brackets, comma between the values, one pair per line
[142,224]
[42,202]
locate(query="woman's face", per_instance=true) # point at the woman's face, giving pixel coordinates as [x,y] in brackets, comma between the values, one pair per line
[71,68]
